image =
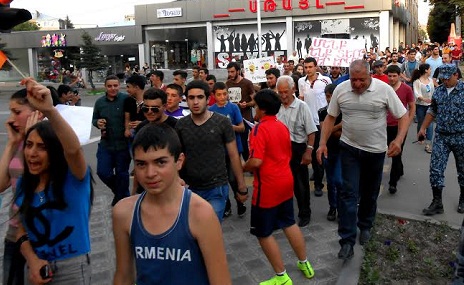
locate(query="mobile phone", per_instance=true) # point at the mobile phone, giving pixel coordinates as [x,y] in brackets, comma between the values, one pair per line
[45,272]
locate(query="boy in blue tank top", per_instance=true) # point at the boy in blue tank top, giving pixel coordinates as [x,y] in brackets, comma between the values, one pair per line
[171,234]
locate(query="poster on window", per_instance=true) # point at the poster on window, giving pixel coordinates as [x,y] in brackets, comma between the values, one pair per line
[336,52]
[239,43]
[255,69]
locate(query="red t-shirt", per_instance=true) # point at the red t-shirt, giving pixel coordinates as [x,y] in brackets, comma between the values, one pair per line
[273,181]
[456,54]
[382,77]
[406,96]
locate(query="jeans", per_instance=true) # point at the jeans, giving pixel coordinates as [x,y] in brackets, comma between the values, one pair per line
[318,170]
[13,264]
[113,170]
[300,180]
[362,176]
[216,197]
[396,170]
[333,171]
[421,111]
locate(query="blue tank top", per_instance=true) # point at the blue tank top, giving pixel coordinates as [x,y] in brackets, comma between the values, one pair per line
[172,257]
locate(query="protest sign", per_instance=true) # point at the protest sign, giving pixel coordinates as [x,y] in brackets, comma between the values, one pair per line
[255,68]
[80,119]
[336,52]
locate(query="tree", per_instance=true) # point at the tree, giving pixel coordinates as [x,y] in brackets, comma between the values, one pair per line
[91,57]
[423,34]
[440,18]
[68,24]
[26,26]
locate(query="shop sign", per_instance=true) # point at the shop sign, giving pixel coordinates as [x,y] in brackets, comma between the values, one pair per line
[169,12]
[102,37]
[53,40]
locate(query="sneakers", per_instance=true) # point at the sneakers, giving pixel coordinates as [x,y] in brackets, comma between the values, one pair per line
[227,213]
[346,252]
[278,280]
[318,191]
[392,189]
[364,237]
[332,214]
[241,210]
[306,269]
[428,148]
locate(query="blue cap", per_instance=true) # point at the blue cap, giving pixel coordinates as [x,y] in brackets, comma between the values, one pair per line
[446,70]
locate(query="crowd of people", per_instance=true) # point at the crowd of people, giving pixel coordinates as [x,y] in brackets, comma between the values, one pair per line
[193,139]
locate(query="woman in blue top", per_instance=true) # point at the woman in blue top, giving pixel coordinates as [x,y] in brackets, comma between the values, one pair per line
[54,198]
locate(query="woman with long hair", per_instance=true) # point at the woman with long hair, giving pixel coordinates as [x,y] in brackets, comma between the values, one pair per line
[11,167]
[423,90]
[54,198]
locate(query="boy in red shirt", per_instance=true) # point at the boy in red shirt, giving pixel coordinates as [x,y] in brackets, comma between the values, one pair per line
[272,202]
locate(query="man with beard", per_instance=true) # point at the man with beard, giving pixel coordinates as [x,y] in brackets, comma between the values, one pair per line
[206,137]
[241,92]
[271,78]
[435,59]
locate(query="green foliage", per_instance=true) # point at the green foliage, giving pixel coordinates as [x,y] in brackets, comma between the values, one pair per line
[68,24]
[91,57]
[440,18]
[26,26]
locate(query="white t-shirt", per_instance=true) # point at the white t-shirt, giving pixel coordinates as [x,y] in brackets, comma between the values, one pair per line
[314,94]
[364,123]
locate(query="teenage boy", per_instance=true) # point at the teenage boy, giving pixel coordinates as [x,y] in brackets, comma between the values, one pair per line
[173,109]
[206,138]
[167,229]
[132,105]
[272,202]
[232,112]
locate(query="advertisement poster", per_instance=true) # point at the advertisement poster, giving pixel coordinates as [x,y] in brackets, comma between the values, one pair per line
[255,69]
[240,43]
[336,52]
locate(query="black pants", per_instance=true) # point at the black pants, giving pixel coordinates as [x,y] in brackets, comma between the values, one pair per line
[300,180]
[318,169]
[396,170]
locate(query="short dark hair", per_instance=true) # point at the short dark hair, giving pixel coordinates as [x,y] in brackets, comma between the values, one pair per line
[182,73]
[219,86]
[196,67]
[155,93]
[330,88]
[211,77]
[175,87]
[158,137]
[136,80]
[157,73]
[198,84]
[274,71]
[63,89]
[291,61]
[393,69]
[311,59]
[111,77]
[233,65]
[268,101]
[205,70]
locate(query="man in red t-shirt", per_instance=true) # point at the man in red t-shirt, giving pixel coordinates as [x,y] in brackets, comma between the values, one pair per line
[406,96]
[272,202]
[456,54]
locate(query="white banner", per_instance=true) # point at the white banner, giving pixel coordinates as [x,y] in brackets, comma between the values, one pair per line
[255,69]
[336,52]
[80,119]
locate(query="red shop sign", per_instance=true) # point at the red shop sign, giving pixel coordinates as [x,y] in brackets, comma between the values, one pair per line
[271,5]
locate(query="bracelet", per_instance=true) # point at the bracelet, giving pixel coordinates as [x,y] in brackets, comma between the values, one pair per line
[22,239]
[309,147]
[243,193]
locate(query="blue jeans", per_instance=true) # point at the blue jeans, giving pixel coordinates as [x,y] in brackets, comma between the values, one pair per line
[216,197]
[362,176]
[113,170]
[421,111]
[333,170]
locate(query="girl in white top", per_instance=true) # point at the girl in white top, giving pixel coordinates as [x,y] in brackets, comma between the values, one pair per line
[423,91]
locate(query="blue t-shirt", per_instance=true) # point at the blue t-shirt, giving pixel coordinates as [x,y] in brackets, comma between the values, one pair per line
[232,112]
[173,257]
[59,234]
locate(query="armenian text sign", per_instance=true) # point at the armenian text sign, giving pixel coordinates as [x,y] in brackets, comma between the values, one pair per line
[336,52]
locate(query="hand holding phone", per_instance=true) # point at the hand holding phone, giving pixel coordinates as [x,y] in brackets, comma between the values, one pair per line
[45,272]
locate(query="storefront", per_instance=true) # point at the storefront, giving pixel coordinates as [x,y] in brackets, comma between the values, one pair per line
[46,54]
[228,28]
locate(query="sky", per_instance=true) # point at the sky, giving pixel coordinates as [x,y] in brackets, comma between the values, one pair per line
[90,13]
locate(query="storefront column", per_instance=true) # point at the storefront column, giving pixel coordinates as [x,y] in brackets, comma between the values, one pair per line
[210,44]
[384,29]
[142,55]
[391,34]
[32,60]
[290,36]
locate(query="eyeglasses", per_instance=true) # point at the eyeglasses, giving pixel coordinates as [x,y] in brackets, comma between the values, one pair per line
[146,109]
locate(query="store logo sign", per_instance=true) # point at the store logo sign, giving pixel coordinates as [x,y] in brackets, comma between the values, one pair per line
[102,37]
[169,13]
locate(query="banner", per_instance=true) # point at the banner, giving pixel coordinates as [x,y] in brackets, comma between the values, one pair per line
[255,69]
[336,52]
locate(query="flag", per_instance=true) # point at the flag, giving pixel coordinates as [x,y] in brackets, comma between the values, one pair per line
[5,2]
[3,58]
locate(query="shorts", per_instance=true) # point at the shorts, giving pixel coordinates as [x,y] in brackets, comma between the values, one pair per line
[266,220]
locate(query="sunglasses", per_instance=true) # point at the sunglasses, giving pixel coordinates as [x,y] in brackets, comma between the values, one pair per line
[146,109]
